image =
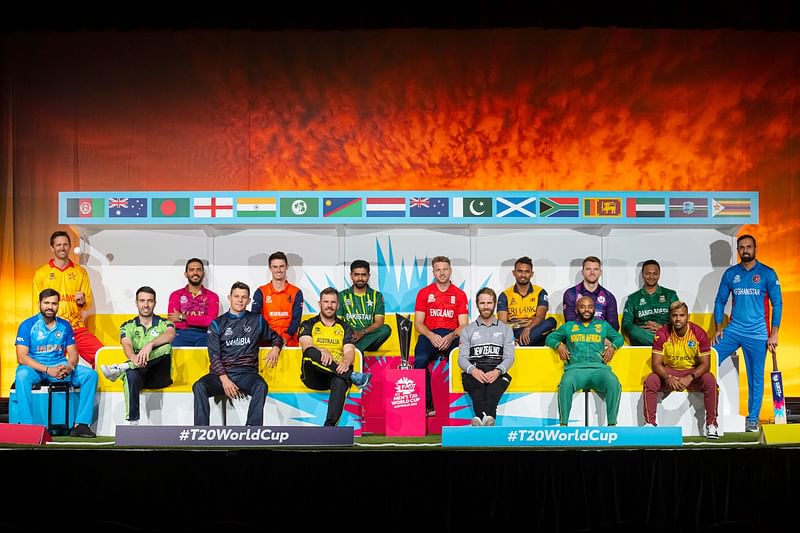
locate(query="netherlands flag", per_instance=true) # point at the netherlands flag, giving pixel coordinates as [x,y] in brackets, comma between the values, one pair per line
[386,207]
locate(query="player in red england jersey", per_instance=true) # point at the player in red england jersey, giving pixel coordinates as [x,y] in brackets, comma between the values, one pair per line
[439,315]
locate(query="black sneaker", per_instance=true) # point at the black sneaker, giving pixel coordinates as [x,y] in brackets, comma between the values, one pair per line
[82,430]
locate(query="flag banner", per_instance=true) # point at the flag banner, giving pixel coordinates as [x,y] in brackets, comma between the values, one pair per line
[515,207]
[386,207]
[212,207]
[602,207]
[300,207]
[127,207]
[429,207]
[559,207]
[256,207]
[645,208]
[731,207]
[341,207]
[170,207]
[688,207]
[397,208]
[472,207]
[86,207]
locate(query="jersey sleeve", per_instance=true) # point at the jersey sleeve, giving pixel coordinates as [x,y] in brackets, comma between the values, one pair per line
[502,302]
[258,301]
[420,302]
[380,304]
[24,334]
[543,300]
[297,314]
[570,315]
[723,293]
[775,298]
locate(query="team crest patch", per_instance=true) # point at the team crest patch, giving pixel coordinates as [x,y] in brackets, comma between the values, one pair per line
[154,333]
[184,299]
[575,327]
[370,303]
[756,278]
[452,300]
[52,275]
[691,344]
[248,329]
[269,299]
[601,299]
[58,334]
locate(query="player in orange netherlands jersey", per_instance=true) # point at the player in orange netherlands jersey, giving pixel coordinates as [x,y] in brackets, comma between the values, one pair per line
[280,302]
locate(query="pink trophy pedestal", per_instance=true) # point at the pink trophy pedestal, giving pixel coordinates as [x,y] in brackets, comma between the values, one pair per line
[404,403]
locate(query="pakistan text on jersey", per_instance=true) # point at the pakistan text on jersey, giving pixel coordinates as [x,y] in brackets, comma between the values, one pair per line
[447,313]
[754,292]
[353,317]
[241,341]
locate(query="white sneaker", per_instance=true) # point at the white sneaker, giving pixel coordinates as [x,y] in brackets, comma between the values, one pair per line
[111,372]
[487,420]
[712,432]
[133,422]
[648,425]
[476,421]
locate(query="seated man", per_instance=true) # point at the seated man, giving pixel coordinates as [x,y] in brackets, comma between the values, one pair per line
[280,302]
[145,340]
[193,307]
[233,342]
[681,360]
[362,308]
[583,348]
[605,304]
[647,309]
[46,353]
[328,355]
[524,306]
[485,353]
[440,313]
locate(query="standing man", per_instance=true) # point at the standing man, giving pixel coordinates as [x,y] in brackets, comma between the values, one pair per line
[362,308]
[233,341]
[280,302]
[524,306]
[648,309]
[193,307]
[46,352]
[753,284]
[440,313]
[485,354]
[605,304]
[71,281]
[586,354]
[681,360]
[145,340]
[328,355]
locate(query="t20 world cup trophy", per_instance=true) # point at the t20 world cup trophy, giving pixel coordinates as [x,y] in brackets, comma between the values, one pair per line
[404,325]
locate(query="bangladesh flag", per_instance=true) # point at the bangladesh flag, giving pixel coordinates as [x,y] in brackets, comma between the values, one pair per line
[170,208]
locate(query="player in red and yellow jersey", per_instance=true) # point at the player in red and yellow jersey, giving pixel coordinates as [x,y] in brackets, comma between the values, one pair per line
[72,283]
[681,360]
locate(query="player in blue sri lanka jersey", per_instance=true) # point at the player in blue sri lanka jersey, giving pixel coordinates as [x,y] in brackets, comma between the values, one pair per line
[754,286]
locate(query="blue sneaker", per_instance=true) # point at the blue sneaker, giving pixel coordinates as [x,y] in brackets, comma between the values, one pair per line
[360,379]
[751,426]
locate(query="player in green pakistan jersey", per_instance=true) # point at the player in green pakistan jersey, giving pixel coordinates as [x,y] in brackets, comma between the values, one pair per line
[363,308]
[647,309]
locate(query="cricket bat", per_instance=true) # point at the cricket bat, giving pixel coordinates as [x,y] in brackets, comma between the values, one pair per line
[778,401]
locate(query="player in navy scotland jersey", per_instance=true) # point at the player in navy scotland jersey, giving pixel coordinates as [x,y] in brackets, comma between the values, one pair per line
[754,286]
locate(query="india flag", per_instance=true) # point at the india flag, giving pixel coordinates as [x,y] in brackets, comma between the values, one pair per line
[256,207]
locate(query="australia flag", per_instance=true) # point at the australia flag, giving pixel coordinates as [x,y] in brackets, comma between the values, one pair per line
[127,208]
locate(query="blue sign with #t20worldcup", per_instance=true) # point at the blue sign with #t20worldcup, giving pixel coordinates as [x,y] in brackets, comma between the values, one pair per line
[573,437]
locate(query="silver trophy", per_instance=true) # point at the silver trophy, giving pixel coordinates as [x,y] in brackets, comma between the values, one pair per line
[404,325]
